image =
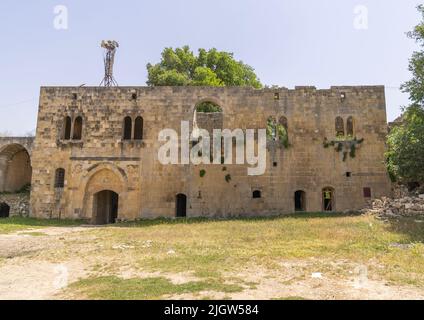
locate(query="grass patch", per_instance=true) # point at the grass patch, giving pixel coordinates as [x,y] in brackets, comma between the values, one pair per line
[14,224]
[114,288]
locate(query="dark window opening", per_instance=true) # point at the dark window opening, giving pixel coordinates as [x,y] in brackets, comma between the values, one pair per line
[67,128]
[339,127]
[275,164]
[328,199]
[59,179]
[134,96]
[256,194]
[4,210]
[77,129]
[74,96]
[138,128]
[348,174]
[127,128]
[181,206]
[349,127]
[367,192]
[276,96]
[299,200]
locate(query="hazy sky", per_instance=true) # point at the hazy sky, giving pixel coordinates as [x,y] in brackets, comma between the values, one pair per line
[288,42]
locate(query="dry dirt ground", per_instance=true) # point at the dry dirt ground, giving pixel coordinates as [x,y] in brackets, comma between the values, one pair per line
[26,272]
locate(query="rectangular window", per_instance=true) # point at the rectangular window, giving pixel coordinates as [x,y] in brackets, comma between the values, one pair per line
[367,192]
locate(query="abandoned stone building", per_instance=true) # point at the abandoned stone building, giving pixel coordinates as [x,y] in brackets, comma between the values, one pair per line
[95,153]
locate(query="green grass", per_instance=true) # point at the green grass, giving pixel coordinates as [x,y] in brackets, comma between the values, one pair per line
[14,224]
[216,251]
[114,288]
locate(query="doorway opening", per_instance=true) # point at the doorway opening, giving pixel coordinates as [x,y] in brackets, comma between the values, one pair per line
[181,206]
[4,210]
[299,200]
[328,199]
[105,208]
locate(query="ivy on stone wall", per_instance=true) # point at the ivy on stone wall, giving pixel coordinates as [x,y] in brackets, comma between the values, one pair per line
[347,145]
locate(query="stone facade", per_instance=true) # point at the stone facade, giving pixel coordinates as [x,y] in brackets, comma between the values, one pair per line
[102,160]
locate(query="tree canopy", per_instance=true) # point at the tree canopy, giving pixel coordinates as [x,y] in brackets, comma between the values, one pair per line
[181,67]
[405,155]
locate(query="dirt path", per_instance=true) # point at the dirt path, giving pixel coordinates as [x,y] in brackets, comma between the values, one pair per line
[25,274]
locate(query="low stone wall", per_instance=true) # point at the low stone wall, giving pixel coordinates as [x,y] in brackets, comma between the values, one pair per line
[18,203]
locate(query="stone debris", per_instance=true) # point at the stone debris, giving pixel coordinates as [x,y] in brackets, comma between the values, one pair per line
[404,204]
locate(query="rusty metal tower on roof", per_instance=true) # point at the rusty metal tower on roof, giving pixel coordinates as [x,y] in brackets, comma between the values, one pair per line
[110,47]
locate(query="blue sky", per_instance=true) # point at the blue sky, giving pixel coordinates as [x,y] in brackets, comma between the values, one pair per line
[288,42]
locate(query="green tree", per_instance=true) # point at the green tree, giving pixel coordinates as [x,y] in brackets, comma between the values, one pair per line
[181,67]
[405,155]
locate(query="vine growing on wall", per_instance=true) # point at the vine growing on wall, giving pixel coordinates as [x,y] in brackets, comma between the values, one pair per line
[347,145]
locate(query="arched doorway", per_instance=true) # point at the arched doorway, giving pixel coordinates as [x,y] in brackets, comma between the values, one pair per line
[15,168]
[4,210]
[105,207]
[328,199]
[181,206]
[300,200]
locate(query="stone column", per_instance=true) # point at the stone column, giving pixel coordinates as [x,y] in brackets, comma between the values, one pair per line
[3,172]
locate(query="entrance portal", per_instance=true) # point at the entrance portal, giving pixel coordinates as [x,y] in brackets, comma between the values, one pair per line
[181,205]
[299,200]
[328,199]
[4,210]
[105,207]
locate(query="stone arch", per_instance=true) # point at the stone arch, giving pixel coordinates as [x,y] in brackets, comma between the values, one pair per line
[15,167]
[138,128]
[103,177]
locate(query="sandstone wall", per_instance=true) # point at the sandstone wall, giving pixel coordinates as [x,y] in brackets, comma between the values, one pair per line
[102,160]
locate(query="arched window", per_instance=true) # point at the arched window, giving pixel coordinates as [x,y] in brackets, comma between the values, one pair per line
[138,128]
[67,128]
[339,127]
[349,127]
[77,128]
[283,121]
[271,129]
[59,178]
[257,194]
[127,128]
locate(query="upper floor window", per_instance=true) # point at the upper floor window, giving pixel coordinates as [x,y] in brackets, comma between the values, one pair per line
[349,127]
[133,131]
[138,128]
[127,128]
[339,127]
[67,128]
[77,135]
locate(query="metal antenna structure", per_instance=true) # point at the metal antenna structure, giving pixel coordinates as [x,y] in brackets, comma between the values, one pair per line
[110,47]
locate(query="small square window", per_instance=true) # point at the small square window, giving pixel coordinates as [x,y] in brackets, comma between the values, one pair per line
[74,96]
[134,96]
[276,96]
[348,174]
[275,164]
[342,96]
[367,192]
